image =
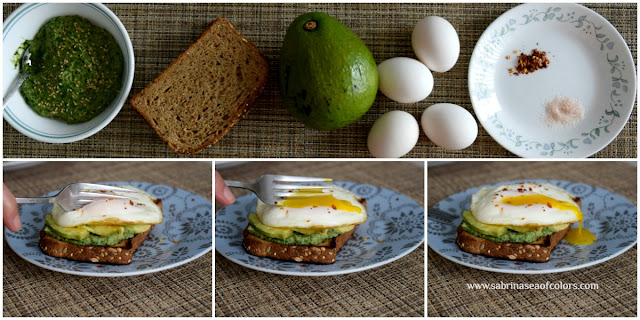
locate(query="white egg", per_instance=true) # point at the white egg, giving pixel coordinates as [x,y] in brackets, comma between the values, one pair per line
[393,135]
[449,126]
[404,80]
[530,204]
[139,209]
[436,43]
[338,207]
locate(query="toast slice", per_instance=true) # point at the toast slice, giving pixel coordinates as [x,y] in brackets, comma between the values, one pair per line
[539,251]
[121,253]
[324,253]
[205,91]
[118,254]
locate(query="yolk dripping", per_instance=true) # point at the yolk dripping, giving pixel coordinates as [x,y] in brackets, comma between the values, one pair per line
[577,236]
[320,201]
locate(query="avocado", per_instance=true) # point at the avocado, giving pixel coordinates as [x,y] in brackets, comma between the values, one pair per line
[509,233]
[488,229]
[298,236]
[104,230]
[137,228]
[96,235]
[91,239]
[273,232]
[75,233]
[327,75]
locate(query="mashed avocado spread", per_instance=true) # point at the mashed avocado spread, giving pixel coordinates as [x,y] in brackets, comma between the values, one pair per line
[76,70]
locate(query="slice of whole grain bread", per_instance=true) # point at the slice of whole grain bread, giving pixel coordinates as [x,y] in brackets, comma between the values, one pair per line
[118,254]
[324,253]
[539,251]
[206,90]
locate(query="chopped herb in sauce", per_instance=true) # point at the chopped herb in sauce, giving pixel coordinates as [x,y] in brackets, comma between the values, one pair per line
[76,70]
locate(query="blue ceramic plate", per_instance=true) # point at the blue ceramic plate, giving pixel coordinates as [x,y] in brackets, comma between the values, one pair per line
[185,232]
[394,227]
[609,216]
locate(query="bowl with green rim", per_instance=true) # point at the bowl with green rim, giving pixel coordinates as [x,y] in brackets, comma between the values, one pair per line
[23,24]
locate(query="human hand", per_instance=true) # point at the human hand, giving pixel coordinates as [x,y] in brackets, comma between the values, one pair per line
[11,216]
[222,193]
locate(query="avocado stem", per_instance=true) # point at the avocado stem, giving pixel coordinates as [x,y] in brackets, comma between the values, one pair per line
[310,25]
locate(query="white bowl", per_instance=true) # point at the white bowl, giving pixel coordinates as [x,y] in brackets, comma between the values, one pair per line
[23,24]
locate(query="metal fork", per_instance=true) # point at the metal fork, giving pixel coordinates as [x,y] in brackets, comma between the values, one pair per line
[272,188]
[76,195]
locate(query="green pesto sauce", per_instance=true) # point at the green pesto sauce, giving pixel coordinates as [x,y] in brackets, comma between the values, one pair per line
[76,70]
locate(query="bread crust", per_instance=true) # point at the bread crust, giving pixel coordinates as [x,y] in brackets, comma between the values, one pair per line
[241,111]
[99,254]
[539,251]
[320,254]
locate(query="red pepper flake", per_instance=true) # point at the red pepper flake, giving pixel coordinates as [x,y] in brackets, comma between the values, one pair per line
[130,202]
[530,63]
[497,205]
[281,208]
[502,209]
[103,191]
[333,206]
[505,189]
[308,221]
[275,202]
[549,205]
[521,218]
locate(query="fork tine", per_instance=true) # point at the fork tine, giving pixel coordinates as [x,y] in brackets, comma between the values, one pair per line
[287,179]
[94,195]
[294,195]
[296,187]
[101,187]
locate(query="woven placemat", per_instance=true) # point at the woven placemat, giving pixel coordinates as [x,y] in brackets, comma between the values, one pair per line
[31,291]
[395,289]
[160,32]
[447,293]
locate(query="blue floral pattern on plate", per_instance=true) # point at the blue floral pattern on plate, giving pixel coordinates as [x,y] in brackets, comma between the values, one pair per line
[612,218]
[394,228]
[184,235]
[510,123]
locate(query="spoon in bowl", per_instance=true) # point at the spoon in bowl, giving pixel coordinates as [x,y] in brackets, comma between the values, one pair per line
[22,75]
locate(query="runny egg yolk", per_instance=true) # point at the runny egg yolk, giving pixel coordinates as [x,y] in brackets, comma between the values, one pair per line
[579,236]
[320,201]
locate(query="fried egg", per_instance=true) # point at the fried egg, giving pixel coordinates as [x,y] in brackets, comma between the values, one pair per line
[530,205]
[139,209]
[335,207]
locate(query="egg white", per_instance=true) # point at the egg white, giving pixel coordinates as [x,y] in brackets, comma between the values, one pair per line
[488,206]
[140,209]
[312,216]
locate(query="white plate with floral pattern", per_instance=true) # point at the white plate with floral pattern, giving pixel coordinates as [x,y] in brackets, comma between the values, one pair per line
[183,235]
[394,228]
[611,218]
[589,62]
